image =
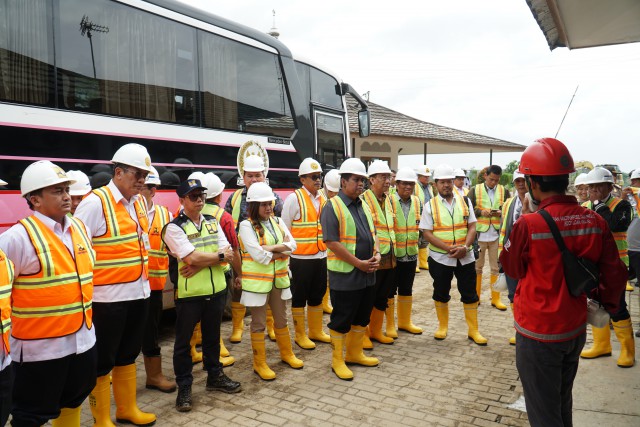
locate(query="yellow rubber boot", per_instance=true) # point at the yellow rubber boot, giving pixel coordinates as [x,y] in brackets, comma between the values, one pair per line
[302,340]
[314,317]
[512,340]
[418,266]
[196,356]
[337,360]
[226,359]
[366,340]
[69,417]
[495,296]
[471,316]
[423,256]
[390,316]
[223,349]
[442,311]
[124,393]
[601,343]
[100,402]
[404,315]
[355,355]
[260,366]
[375,327]
[624,332]
[237,321]
[630,287]
[326,304]
[478,286]
[197,334]
[270,331]
[286,352]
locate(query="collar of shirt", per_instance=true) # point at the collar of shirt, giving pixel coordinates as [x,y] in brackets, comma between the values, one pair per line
[347,201]
[405,202]
[316,197]
[490,190]
[54,225]
[607,198]
[453,200]
[117,195]
[560,198]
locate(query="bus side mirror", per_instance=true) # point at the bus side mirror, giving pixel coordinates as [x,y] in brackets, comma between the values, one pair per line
[364,123]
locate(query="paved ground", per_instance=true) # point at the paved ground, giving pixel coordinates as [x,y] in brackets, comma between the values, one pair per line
[419,382]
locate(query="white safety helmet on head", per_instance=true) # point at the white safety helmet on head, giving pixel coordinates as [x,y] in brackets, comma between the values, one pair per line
[153,178]
[42,174]
[459,173]
[353,166]
[198,175]
[3,182]
[580,180]
[517,175]
[423,170]
[253,163]
[214,185]
[134,155]
[332,180]
[443,172]
[260,192]
[406,175]
[599,175]
[378,166]
[635,174]
[81,186]
[308,166]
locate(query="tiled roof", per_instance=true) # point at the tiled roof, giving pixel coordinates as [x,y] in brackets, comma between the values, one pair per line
[385,121]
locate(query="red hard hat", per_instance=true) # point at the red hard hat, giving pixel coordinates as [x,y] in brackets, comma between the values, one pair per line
[546,157]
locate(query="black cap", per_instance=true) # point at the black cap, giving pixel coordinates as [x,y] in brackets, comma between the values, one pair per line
[188,186]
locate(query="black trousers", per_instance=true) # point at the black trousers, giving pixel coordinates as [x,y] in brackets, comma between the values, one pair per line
[634,264]
[442,276]
[208,311]
[119,331]
[547,371]
[385,279]
[350,308]
[6,388]
[405,275]
[308,281]
[150,345]
[41,389]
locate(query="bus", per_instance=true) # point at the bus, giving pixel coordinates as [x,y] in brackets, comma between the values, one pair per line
[80,78]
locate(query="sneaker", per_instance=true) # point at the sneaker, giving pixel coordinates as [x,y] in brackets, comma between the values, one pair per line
[222,383]
[183,401]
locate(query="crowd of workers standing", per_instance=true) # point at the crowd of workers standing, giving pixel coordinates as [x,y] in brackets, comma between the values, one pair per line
[81,279]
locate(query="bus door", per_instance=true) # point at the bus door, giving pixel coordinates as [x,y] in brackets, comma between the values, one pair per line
[330,138]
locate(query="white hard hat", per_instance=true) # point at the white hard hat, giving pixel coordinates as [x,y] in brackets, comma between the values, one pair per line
[153,178]
[260,192]
[423,170]
[635,174]
[378,166]
[580,180]
[353,166]
[307,166]
[42,174]
[599,175]
[81,186]
[253,163]
[214,185]
[516,175]
[443,172]
[198,175]
[406,175]
[332,180]
[134,155]
[3,182]
[459,172]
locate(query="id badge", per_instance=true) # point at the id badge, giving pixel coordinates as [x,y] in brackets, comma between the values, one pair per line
[145,241]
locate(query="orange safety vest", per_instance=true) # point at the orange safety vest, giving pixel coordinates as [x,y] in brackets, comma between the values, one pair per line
[6,279]
[57,300]
[158,258]
[307,230]
[120,255]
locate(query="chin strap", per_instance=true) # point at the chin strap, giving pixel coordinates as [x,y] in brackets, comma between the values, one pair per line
[528,181]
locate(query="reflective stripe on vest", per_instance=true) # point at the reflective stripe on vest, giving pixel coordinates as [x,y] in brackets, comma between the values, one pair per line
[418,191]
[57,300]
[619,236]
[6,279]
[406,229]
[236,201]
[121,256]
[484,202]
[450,228]
[210,280]
[503,227]
[158,258]
[260,278]
[216,211]
[347,228]
[382,221]
[307,230]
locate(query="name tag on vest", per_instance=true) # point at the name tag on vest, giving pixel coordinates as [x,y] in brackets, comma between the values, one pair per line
[193,236]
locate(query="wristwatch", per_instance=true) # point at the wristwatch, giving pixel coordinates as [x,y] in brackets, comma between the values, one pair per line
[220,256]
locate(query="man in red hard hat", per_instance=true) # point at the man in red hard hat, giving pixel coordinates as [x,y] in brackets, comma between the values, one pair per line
[549,321]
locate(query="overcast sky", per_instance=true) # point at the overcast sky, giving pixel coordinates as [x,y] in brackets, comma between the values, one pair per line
[477,66]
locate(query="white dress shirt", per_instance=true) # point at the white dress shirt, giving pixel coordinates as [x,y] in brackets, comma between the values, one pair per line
[16,243]
[291,212]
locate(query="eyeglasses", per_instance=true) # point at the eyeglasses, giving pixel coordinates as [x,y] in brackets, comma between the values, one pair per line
[138,174]
[196,197]
[315,177]
[358,179]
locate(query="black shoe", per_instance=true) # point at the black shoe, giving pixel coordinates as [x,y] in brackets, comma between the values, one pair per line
[222,383]
[183,401]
